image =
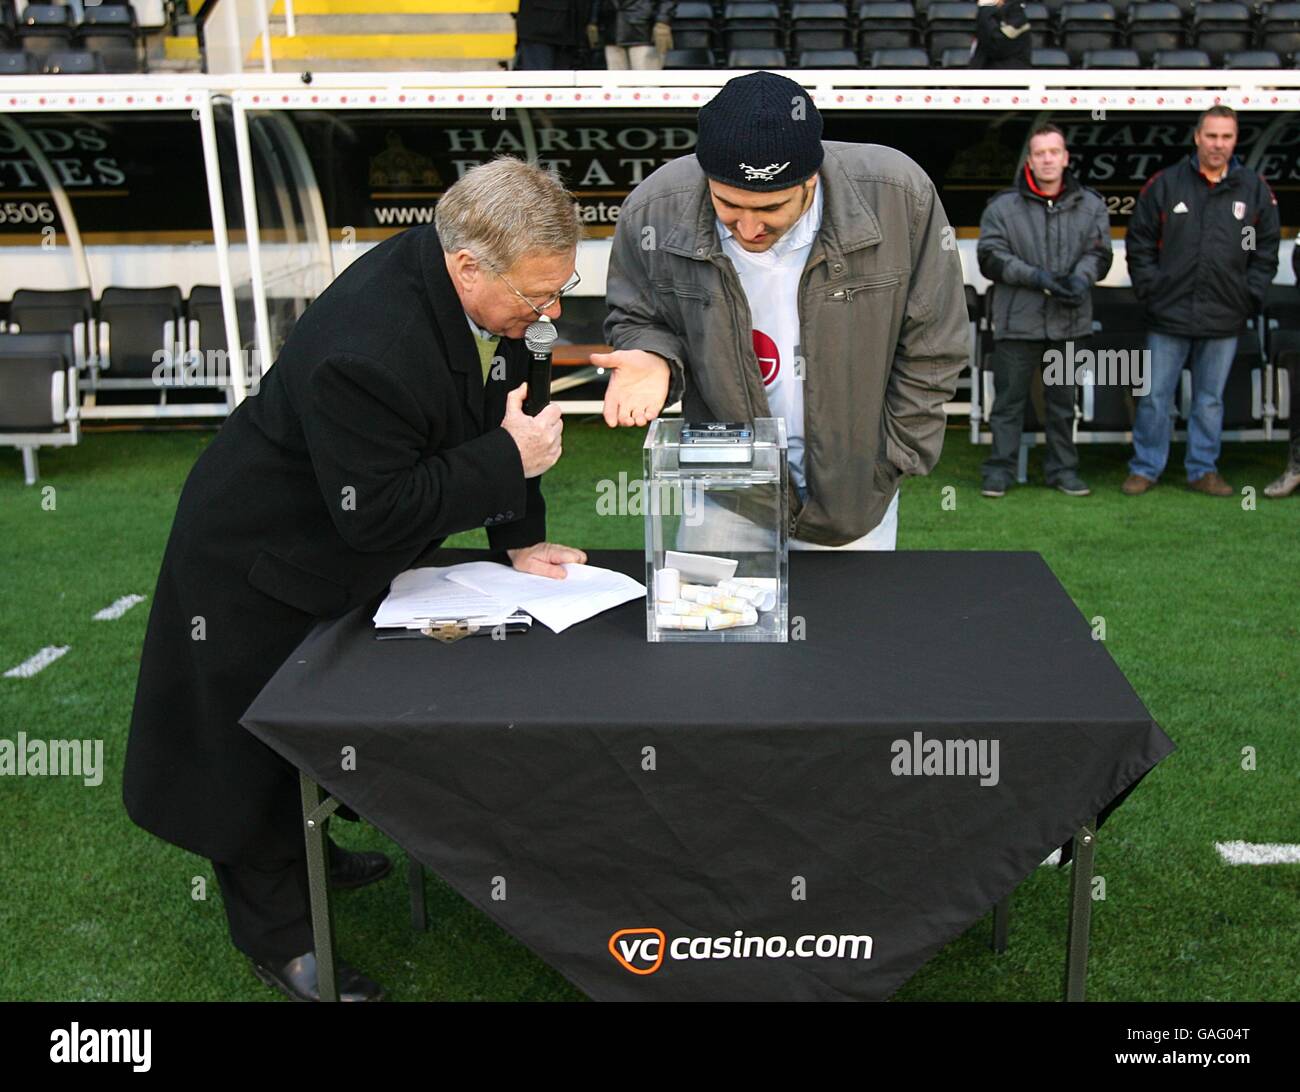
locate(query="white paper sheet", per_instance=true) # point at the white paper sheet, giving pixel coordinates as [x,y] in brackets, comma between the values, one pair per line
[557,604]
[418,595]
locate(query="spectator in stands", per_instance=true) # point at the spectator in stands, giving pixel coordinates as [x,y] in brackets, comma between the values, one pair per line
[550,34]
[1202,250]
[1287,484]
[386,424]
[1044,243]
[637,33]
[1003,37]
[769,258]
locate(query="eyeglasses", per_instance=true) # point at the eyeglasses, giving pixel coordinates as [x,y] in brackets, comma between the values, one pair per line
[551,302]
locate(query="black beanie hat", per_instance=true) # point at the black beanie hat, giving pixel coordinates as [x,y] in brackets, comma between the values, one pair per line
[760,132]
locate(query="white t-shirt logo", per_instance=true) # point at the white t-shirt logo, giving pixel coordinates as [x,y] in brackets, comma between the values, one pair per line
[769,357]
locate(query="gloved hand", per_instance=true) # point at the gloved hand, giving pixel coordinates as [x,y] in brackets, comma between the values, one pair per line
[1044,281]
[1072,289]
[593,35]
[662,36]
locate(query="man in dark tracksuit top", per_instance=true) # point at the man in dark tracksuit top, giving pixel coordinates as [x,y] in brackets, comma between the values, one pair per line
[1289,482]
[1003,36]
[1202,251]
[1044,244]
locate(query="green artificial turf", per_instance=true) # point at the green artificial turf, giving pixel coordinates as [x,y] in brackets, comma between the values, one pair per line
[1202,611]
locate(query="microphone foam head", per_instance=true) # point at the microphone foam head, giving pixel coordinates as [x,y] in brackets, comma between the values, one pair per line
[540,336]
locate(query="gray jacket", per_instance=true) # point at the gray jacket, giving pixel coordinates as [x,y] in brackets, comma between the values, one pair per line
[1022,231]
[882,317]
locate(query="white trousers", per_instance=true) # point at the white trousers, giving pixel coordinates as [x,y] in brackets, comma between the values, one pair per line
[640,57]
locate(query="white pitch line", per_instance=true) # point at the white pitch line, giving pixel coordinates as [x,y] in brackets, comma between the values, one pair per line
[118,608]
[39,662]
[1236,853]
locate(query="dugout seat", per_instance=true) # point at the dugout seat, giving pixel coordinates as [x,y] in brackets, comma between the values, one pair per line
[38,395]
[887,26]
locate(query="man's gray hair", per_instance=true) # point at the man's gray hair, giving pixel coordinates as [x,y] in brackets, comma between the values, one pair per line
[502,210]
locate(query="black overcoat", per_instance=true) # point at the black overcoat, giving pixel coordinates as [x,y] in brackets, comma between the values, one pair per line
[369,441]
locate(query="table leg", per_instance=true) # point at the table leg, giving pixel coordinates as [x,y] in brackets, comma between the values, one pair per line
[318,883]
[1076,962]
[1001,924]
[415,877]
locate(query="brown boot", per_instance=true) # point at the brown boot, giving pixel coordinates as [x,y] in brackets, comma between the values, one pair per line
[1135,485]
[1285,485]
[1211,484]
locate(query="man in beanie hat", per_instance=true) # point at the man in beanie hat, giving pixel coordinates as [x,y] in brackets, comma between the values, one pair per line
[776,274]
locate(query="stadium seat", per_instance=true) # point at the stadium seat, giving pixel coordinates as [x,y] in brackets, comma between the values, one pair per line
[899,58]
[75,63]
[1252,58]
[135,326]
[949,26]
[205,325]
[38,395]
[46,28]
[955,58]
[687,58]
[1185,8]
[1050,58]
[1155,26]
[111,31]
[1219,29]
[1111,58]
[752,26]
[818,26]
[65,311]
[1087,26]
[1181,58]
[693,27]
[1279,28]
[1119,325]
[887,26]
[828,58]
[18,63]
[756,58]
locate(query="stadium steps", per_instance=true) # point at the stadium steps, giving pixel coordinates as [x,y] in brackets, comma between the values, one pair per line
[386,35]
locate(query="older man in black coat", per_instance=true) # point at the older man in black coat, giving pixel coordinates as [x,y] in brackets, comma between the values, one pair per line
[392,418]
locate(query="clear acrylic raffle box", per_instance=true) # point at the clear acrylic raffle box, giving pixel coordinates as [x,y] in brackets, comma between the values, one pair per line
[716,523]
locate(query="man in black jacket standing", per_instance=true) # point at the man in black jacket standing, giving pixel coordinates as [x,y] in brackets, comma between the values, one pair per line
[1289,481]
[550,34]
[391,419]
[1003,36]
[1044,244]
[1202,250]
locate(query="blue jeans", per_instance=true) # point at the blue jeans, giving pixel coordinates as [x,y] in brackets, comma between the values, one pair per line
[1211,360]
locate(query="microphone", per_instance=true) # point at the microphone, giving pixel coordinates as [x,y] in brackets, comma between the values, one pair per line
[538,339]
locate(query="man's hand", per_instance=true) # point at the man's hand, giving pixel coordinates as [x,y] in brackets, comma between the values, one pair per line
[546,559]
[662,35]
[637,388]
[593,35]
[538,438]
[1072,289]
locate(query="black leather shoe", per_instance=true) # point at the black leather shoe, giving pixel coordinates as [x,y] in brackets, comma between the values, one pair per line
[297,980]
[349,870]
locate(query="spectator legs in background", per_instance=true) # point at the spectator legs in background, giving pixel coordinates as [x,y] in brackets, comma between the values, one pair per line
[642,58]
[543,56]
[1211,361]
[1153,421]
[1013,369]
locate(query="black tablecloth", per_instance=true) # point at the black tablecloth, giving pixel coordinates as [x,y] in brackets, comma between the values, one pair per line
[577,785]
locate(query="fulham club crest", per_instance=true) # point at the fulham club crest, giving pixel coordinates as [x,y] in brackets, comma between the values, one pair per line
[1239,209]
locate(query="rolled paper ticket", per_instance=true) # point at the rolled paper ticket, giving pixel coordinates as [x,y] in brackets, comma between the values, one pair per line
[681,606]
[680,621]
[668,583]
[747,592]
[726,620]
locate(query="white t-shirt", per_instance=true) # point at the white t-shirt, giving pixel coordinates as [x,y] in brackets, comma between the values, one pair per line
[771,284]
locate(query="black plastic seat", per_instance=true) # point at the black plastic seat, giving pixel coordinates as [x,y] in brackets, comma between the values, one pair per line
[73,63]
[1220,29]
[693,27]
[1181,58]
[818,26]
[1049,58]
[1111,58]
[828,58]
[1279,28]
[1087,26]
[887,25]
[955,58]
[1155,26]
[949,26]
[136,324]
[687,58]
[756,58]
[899,58]
[752,26]
[46,28]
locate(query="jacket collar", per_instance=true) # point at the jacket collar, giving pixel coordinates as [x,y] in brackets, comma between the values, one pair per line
[848,221]
[1027,187]
[1230,178]
[449,322]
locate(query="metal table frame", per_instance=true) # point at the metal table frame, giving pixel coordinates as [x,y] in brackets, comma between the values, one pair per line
[317,807]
